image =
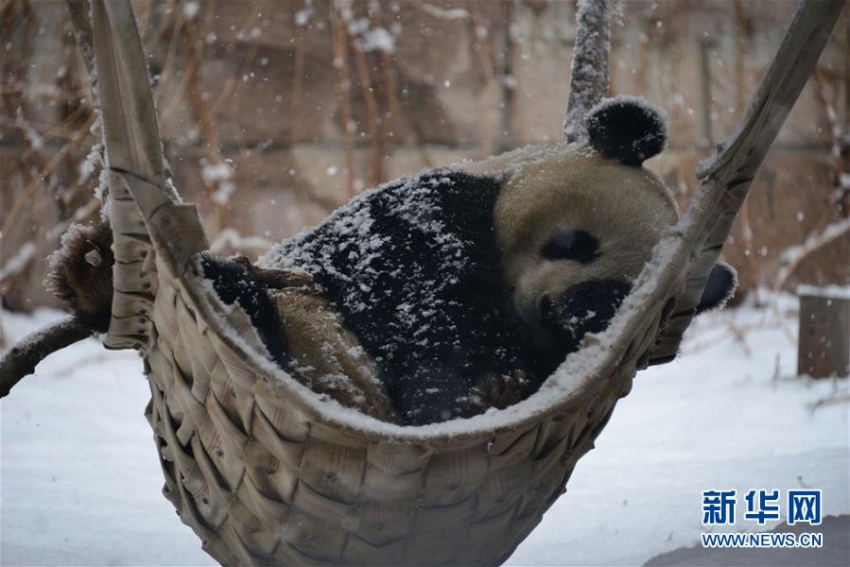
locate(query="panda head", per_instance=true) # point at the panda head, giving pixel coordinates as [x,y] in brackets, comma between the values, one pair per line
[575,223]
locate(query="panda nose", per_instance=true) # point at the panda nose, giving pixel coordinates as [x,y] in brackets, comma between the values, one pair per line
[583,308]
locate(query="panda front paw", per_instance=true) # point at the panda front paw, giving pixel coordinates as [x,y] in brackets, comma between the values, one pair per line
[498,390]
[80,273]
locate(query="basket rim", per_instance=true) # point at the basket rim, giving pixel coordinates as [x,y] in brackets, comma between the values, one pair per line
[583,375]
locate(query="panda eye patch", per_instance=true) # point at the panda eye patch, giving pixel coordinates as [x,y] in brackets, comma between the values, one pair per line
[575,245]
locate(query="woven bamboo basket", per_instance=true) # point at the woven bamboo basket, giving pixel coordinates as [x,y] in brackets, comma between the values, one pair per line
[264,471]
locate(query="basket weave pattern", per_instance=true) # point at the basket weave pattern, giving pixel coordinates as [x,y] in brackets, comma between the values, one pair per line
[262,479]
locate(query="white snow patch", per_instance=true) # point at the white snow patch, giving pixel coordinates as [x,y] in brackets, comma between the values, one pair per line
[828,291]
[212,173]
[302,16]
[102,191]
[92,163]
[222,195]
[377,39]
[191,10]
[450,14]
[219,175]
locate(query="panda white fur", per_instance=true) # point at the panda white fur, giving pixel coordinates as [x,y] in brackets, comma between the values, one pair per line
[469,285]
[441,294]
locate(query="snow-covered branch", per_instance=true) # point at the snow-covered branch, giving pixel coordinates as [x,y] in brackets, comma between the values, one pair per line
[22,359]
[445,14]
[589,78]
[793,256]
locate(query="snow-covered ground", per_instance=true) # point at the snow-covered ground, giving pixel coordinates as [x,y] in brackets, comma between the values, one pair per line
[80,483]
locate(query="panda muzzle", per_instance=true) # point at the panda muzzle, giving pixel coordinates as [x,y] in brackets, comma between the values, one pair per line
[586,307]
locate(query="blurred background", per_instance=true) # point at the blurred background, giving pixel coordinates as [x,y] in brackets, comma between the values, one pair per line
[274,113]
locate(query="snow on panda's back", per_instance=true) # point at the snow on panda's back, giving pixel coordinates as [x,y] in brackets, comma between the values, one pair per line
[413,269]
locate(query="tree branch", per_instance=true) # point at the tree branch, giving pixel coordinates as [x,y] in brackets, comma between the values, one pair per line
[22,359]
[79,12]
[589,76]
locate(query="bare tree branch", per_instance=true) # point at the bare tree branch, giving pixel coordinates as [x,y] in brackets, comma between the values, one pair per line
[22,359]
[792,257]
[589,78]
[79,12]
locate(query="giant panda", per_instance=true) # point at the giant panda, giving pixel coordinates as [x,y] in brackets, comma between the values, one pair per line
[442,294]
[469,285]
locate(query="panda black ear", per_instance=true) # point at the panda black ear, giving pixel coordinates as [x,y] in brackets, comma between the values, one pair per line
[627,128]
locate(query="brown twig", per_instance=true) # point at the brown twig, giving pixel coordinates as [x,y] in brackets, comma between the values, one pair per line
[78,11]
[835,135]
[390,84]
[484,53]
[22,359]
[372,119]
[195,47]
[340,50]
[512,118]
[45,172]
[301,194]
[297,82]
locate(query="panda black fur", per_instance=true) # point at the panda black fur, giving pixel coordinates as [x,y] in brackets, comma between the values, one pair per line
[80,274]
[236,280]
[413,268]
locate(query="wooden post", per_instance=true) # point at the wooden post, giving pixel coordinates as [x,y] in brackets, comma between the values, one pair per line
[824,342]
